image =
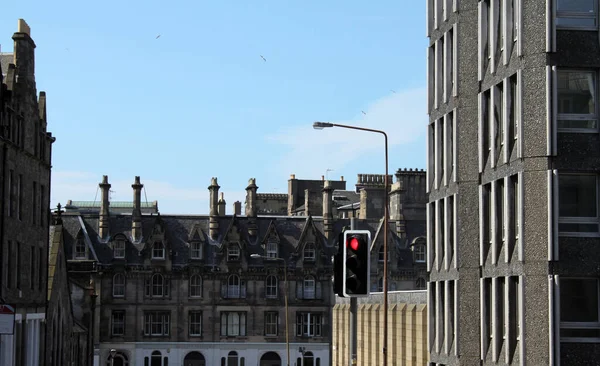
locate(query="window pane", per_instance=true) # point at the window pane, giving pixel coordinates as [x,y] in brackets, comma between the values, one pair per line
[580,6]
[577,196]
[576,91]
[578,123]
[580,333]
[583,22]
[577,228]
[578,300]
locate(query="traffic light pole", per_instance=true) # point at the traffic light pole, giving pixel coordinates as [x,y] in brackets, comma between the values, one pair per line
[353,319]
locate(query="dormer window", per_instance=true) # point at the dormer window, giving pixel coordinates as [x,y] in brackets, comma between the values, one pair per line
[119,249]
[233,252]
[271,249]
[309,252]
[381,255]
[158,250]
[196,250]
[420,253]
[80,249]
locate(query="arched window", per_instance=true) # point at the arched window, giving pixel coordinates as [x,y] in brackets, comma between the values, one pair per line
[158,250]
[308,359]
[232,359]
[309,252]
[308,288]
[118,285]
[120,359]
[195,289]
[156,358]
[421,284]
[420,253]
[271,287]
[233,287]
[119,248]
[157,285]
[271,249]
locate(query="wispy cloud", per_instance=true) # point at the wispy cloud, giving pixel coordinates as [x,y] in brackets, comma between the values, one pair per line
[402,115]
[172,199]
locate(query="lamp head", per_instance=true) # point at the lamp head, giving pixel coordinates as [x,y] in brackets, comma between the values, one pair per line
[257,256]
[321,125]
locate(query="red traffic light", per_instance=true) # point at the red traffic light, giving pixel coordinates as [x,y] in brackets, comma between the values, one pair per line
[354,244]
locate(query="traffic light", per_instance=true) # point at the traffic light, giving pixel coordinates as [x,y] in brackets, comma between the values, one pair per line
[356,263]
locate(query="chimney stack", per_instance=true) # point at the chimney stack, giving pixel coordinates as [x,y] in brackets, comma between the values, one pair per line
[213,225]
[24,54]
[251,206]
[342,178]
[221,205]
[306,202]
[237,208]
[327,209]
[136,216]
[322,177]
[103,225]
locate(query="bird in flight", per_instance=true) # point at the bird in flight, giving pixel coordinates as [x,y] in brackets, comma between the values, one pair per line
[363,112]
[264,59]
[393,91]
[157,37]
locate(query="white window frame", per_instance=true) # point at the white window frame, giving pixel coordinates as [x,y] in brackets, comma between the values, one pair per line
[271,284]
[118,288]
[233,323]
[577,15]
[309,288]
[195,320]
[583,325]
[119,248]
[233,252]
[420,253]
[234,284]
[309,254]
[579,117]
[581,220]
[114,323]
[195,286]
[158,250]
[196,250]
[309,324]
[78,253]
[157,285]
[160,319]
[271,249]
[271,323]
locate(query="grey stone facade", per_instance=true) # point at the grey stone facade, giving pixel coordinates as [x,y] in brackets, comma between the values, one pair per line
[513,136]
[182,279]
[25,155]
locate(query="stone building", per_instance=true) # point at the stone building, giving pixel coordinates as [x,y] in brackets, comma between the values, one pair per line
[25,152]
[513,182]
[192,284]
[66,337]
[407,329]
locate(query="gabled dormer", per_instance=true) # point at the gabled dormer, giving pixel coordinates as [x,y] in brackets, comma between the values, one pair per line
[271,243]
[232,244]
[157,246]
[80,247]
[197,243]
[310,247]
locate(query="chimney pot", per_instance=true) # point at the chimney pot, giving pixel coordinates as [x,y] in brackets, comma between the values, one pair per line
[342,178]
[293,176]
[322,177]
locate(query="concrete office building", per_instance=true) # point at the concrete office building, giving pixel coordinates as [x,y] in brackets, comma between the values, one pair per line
[513,223]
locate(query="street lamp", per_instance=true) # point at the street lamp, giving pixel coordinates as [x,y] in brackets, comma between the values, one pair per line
[322,125]
[285,297]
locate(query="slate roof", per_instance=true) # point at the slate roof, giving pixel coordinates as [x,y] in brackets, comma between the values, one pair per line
[5,59]
[180,230]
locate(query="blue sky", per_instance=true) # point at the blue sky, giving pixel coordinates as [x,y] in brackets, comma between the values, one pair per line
[200,102]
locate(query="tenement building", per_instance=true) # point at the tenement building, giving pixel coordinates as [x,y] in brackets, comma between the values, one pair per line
[25,151]
[211,289]
[513,222]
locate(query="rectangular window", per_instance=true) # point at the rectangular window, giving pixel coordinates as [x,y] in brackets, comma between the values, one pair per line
[118,323]
[119,249]
[233,323]
[233,252]
[9,265]
[20,197]
[32,268]
[156,323]
[42,205]
[577,110]
[12,193]
[271,320]
[196,250]
[18,264]
[578,14]
[80,249]
[579,317]
[195,318]
[271,249]
[578,204]
[34,210]
[40,272]
[309,325]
